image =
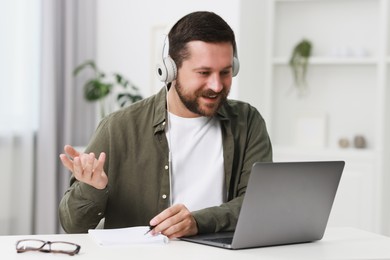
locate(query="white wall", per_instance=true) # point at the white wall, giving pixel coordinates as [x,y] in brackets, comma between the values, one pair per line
[125,44]
[124,34]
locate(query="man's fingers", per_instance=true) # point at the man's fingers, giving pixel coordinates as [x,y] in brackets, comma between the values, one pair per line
[100,163]
[176,221]
[183,228]
[71,151]
[85,167]
[174,229]
[165,214]
[66,162]
[78,169]
[89,162]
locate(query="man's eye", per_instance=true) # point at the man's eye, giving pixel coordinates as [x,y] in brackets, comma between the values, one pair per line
[204,73]
[225,72]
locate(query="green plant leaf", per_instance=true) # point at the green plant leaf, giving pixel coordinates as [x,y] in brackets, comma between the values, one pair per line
[299,62]
[95,90]
[121,80]
[125,99]
[88,63]
[118,77]
[100,85]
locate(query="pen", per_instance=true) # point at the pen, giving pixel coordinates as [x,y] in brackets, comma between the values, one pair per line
[150,229]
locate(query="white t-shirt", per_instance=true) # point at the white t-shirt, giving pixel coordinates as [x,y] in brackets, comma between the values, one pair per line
[197,161]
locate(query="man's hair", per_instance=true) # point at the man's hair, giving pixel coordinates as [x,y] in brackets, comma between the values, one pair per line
[198,26]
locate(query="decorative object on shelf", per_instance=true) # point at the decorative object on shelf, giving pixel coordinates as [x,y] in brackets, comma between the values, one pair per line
[349,52]
[299,62]
[359,142]
[344,142]
[99,87]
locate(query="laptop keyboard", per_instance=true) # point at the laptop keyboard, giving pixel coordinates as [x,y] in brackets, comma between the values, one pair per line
[222,240]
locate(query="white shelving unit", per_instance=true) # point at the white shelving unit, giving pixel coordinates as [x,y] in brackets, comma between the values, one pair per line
[347,95]
[331,61]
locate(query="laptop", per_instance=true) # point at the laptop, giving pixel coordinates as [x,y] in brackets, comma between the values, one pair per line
[285,203]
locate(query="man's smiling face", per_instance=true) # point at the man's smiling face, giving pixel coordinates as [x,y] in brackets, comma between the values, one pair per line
[204,79]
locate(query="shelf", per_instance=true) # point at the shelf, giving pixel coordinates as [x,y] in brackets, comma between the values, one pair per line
[348,90]
[312,1]
[331,61]
[310,153]
[293,1]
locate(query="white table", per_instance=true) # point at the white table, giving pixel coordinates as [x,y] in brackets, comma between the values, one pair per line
[338,243]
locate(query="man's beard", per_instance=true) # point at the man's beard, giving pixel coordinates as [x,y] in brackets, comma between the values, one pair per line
[192,102]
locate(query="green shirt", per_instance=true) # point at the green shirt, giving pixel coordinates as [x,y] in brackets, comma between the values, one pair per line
[136,146]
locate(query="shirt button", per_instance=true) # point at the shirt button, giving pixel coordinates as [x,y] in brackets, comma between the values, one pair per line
[166,167]
[164,196]
[99,214]
[163,123]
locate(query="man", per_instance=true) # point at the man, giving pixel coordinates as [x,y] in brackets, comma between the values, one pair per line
[178,160]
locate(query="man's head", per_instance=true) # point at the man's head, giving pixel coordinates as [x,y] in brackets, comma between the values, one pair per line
[198,26]
[202,46]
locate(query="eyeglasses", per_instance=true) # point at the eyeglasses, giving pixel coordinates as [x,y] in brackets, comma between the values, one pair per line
[62,247]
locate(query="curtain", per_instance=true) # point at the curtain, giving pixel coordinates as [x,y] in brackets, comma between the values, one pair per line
[19,73]
[68,38]
[41,106]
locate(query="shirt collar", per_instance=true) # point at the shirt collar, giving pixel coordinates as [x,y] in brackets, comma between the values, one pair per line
[160,110]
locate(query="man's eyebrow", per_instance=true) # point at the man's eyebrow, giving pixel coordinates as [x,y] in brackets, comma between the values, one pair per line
[202,68]
[209,68]
[228,67]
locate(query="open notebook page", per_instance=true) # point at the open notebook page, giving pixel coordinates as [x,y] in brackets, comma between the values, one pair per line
[126,236]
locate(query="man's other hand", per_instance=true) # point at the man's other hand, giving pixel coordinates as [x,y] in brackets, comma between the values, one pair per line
[175,221]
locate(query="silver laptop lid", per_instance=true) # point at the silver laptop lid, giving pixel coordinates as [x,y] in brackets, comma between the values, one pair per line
[287,202]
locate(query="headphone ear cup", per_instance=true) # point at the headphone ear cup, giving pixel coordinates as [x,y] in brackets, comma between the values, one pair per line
[236,66]
[167,70]
[161,71]
[171,69]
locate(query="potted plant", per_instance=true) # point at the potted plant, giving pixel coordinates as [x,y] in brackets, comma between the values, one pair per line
[299,62]
[101,85]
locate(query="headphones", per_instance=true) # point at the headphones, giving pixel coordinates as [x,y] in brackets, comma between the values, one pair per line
[167,69]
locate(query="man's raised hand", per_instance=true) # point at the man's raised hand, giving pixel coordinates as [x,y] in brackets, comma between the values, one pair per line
[85,167]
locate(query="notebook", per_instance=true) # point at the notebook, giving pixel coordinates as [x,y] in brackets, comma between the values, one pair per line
[285,203]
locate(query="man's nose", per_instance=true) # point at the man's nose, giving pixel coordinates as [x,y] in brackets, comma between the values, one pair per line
[215,83]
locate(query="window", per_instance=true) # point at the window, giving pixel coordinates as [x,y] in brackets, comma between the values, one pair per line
[19,64]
